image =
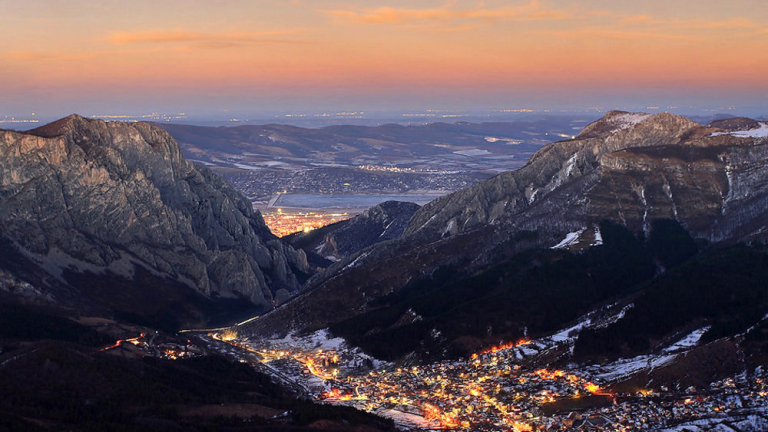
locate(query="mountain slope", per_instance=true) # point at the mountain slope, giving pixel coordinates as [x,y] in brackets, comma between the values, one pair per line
[703,176]
[548,169]
[628,168]
[98,197]
[385,221]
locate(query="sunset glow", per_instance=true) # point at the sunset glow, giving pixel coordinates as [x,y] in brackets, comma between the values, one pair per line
[200,55]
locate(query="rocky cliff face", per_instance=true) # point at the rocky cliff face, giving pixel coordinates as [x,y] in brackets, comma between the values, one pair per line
[548,170]
[108,196]
[629,168]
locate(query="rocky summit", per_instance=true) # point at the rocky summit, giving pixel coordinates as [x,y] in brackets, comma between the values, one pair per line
[626,167]
[113,198]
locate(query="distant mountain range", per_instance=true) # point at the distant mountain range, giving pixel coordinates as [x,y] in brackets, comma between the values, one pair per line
[262,161]
[444,146]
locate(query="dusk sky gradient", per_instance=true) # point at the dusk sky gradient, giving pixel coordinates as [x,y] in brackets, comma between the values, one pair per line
[264,55]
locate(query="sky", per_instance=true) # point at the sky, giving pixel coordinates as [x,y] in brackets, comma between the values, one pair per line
[218,57]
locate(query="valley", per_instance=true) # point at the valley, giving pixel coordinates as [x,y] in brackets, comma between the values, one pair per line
[353,166]
[615,281]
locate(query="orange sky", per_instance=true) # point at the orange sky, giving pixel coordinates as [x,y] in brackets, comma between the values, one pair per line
[270,54]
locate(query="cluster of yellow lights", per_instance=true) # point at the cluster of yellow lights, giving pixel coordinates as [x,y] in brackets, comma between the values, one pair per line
[134,341]
[283,223]
[228,334]
[456,413]
[19,121]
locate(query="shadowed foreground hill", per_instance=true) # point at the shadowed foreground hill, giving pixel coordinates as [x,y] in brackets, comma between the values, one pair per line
[56,385]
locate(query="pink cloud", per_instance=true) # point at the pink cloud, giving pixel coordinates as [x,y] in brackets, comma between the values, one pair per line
[164,36]
[387,15]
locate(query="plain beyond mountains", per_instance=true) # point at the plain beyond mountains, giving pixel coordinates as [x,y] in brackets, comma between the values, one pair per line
[318,117]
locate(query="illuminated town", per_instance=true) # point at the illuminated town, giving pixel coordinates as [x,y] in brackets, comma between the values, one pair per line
[283,223]
[493,390]
[155,116]
[17,120]
[146,345]
[394,169]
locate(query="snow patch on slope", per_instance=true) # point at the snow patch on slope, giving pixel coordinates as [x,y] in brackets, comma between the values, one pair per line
[569,165]
[427,222]
[570,334]
[354,263]
[748,423]
[323,340]
[688,341]
[761,132]
[626,121]
[569,240]
[625,368]
[448,229]
[598,237]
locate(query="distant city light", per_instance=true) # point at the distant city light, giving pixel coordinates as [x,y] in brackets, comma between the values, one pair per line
[283,223]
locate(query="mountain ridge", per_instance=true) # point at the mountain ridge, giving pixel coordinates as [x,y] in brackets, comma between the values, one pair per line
[629,168]
[547,169]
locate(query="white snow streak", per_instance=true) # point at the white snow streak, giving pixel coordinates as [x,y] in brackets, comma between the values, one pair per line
[626,367]
[687,342]
[354,263]
[598,237]
[626,121]
[570,239]
[761,132]
[569,165]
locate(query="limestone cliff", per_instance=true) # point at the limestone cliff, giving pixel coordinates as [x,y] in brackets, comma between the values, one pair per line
[630,168]
[548,170]
[109,196]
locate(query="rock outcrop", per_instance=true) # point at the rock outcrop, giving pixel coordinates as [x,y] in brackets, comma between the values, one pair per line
[109,196]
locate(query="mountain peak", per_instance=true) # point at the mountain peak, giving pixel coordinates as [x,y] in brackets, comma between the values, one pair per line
[59,127]
[612,122]
[616,121]
[550,168]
